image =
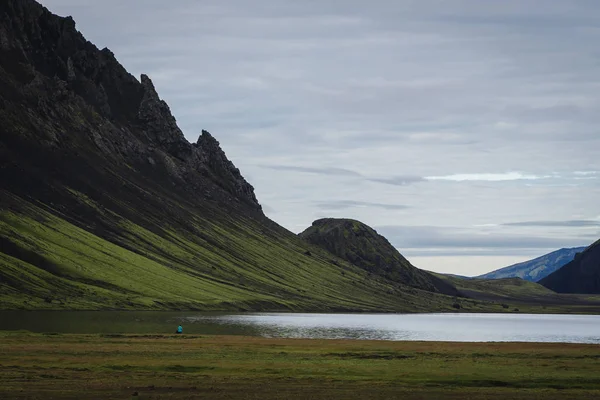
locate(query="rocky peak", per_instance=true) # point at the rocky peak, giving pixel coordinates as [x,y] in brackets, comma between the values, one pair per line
[148,86]
[207,140]
[156,118]
[226,174]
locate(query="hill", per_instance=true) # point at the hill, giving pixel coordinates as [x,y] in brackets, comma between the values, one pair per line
[536,269]
[502,289]
[362,246]
[582,275]
[518,295]
[105,205]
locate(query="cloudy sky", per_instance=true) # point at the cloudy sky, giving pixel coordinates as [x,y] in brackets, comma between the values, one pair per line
[467,132]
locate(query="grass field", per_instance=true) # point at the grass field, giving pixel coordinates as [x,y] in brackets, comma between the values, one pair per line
[234,367]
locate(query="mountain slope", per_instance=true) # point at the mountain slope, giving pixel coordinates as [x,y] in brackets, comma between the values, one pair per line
[501,289]
[582,275]
[104,203]
[519,295]
[362,246]
[536,269]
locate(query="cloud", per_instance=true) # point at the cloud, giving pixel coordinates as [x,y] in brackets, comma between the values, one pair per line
[468,112]
[431,240]
[508,176]
[549,179]
[399,180]
[343,204]
[313,170]
[570,223]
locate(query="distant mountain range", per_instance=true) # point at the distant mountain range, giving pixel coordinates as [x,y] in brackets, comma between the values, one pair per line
[536,269]
[582,275]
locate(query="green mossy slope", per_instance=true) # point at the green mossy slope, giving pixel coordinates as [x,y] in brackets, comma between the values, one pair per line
[51,263]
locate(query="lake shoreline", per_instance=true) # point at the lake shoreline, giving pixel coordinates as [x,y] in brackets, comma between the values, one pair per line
[569,304]
[448,327]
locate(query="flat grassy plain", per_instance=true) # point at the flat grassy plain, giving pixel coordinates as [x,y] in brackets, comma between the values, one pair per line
[236,367]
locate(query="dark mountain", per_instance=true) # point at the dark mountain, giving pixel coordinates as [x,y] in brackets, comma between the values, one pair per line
[536,269]
[362,246]
[582,275]
[105,204]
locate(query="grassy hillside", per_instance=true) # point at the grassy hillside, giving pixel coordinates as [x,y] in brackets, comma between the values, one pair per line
[236,264]
[498,289]
[516,294]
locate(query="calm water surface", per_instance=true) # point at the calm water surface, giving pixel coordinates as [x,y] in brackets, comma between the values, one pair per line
[443,327]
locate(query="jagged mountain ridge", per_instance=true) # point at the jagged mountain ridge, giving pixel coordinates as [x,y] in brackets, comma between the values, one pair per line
[55,64]
[536,269]
[362,246]
[104,204]
[582,275]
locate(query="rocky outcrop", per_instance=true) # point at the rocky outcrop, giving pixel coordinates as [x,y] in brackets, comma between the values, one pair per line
[362,246]
[222,169]
[158,122]
[49,72]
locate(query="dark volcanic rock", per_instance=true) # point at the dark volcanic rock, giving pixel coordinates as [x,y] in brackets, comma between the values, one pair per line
[582,275]
[222,169]
[158,122]
[364,247]
[57,90]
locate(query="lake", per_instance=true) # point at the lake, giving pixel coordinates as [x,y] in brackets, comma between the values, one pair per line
[427,327]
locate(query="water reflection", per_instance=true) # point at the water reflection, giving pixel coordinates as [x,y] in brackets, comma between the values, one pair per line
[443,327]
[140,322]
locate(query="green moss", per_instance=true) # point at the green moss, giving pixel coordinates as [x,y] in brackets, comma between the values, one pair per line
[232,265]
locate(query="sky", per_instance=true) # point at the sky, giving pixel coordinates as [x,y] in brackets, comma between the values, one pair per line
[466,132]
